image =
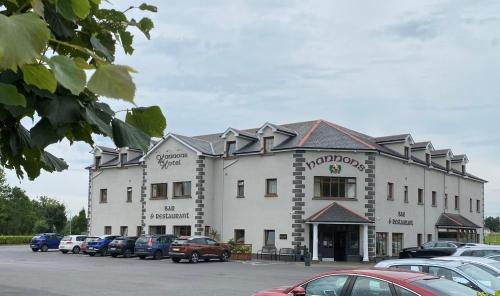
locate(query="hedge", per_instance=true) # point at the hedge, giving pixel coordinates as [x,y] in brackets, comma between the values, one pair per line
[15,240]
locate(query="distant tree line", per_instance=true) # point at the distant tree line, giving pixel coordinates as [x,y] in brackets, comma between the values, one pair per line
[493,223]
[20,215]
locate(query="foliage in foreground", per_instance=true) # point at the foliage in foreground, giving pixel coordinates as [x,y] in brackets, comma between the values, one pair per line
[56,60]
[15,240]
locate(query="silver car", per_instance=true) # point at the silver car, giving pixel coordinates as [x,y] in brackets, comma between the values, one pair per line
[468,274]
[494,257]
[476,251]
[490,265]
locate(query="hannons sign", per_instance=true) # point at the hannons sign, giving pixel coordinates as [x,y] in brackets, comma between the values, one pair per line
[335,158]
[166,160]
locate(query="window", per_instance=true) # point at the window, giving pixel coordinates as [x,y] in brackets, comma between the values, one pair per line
[419,239]
[207,230]
[107,230]
[407,152]
[139,230]
[420,196]
[159,190]
[182,189]
[434,199]
[104,196]
[230,148]
[463,169]
[123,158]
[406,194]
[271,187]
[470,205]
[269,237]
[328,285]
[449,274]
[428,158]
[97,162]
[397,243]
[448,165]
[182,230]
[129,194]
[157,229]
[409,267]
[239,236]
[268,144]
[334,187]
[240,189]
[390,191]
[403,292]
[123,230]
[457,202]
[446,200]
[369,286]
[429,237]
[381,246]
[478,206]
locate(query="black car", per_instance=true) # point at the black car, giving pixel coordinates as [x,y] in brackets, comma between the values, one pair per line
[122,246]
[431,249]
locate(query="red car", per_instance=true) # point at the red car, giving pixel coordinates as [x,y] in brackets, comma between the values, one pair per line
[372,282]
[195,248]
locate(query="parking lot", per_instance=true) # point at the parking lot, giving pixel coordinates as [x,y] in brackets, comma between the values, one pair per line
[23,272]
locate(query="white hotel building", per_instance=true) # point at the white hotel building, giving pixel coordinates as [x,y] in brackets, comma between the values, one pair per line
[342,194]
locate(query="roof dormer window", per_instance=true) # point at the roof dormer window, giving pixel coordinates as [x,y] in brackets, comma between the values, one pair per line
[123,159]
[97,162]
[428,158]
[407,152]
[268,144]
[463,169]
[448,165]
[230,148]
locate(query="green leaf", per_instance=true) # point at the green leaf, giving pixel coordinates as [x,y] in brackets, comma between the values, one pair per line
[148,119]
[65,8]
[39,76]
[60,110]
[81,8]
[145,6]
[38,7]
[43,134]
[82,64]
[68,74]
[98,46]
[10,96]
[145,25]
[51,163]
[62,28]
[126,38]
[113,81]
[96,2]
[125,135]
[99,120]
[22,39]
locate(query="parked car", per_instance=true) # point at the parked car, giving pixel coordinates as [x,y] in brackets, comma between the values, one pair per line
[372,282]
[155,246]
[71,243]
[83,247]
[467,274]
[45,241]
[195,248]
[431,249]
[494,257]
[490,265]
[100,246]
[477,251]
[122,246]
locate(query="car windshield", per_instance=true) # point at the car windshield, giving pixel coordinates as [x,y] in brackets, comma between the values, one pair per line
[37,237]
[481,276]
[143,239]
[180,241]
[445,287]
[66,238]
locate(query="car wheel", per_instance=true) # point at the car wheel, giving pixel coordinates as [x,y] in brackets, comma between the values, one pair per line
[104,252]
[176,260]
[92,254]
[157,255]
[114,255]
[224,257]
[34,249]
[64,251]
[207,259]
[76,250]
[127,253]
[195,257]
[142,257]
[44,248]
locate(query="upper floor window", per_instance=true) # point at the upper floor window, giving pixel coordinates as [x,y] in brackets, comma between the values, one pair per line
[268,144]
[478,206]
[240,190]
[103,198]
[159,190]
[420,196]
[97,162]
[123,158]
[407,152]
[446,200]
[271,187]
[230,148]
[406,194]
[463,169]
[182,189]
[434,199]
[335,187]
[470,205]
[390,191]
[448,165]
[457,202]
[428,158]
[129,194]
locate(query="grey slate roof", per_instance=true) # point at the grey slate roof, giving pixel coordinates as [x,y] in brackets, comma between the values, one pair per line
[393,138]
[455,221]
[420,145]
[440,152]
[337,213]
[458,157]
[107,149]
[282,129]
[112,162]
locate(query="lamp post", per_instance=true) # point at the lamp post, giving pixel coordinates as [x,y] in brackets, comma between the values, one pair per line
[69,211]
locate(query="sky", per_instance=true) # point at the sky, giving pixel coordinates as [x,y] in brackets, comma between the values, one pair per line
[428,68]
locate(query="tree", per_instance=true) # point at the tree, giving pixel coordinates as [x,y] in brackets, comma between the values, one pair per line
[53,212]
[47,49]
[78,224]
[493,223]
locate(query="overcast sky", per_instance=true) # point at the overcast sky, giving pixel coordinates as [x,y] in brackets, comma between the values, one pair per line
[429,68]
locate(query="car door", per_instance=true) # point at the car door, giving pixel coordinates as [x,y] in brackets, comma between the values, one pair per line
[367,286]
[426,250]
[53,241]
[213,247]
[330,285]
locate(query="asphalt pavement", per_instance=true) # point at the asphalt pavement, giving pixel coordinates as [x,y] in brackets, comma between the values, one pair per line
[23,272]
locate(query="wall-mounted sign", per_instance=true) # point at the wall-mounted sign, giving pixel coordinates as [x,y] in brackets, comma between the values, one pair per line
[167,160]
[283,235]
[335,168]
[169,215]
[399,221]
[335,158]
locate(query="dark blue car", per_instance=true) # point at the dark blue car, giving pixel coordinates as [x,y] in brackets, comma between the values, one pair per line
[100,246]
[155,246]
[45,241]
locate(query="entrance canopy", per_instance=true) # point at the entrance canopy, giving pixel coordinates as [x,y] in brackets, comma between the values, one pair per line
[447,220]
[337,214]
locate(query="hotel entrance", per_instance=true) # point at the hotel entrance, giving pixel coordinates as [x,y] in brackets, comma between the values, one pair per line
[338,242]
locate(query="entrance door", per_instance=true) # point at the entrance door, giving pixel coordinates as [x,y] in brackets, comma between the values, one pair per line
[339,243]
[325,241]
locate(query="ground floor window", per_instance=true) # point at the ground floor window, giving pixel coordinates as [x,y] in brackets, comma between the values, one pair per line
[381,246]
[239,236]
[461,235]
[157,229]
[269,237]
[139,231]
[123,230]
[107,230]
[429,237]
[207,230]
[397,243]
[182,230]
[419,239]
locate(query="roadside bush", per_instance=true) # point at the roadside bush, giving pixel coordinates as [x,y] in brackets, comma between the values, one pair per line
[15,240]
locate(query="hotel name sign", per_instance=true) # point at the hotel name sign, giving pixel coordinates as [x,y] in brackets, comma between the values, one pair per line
[400,219]
[167,160]
[335,162]
[164,216]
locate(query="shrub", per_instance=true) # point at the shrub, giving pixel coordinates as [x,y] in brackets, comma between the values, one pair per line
[15,240]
